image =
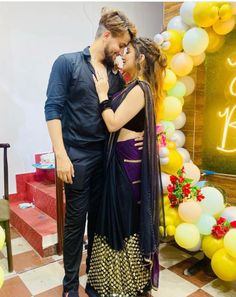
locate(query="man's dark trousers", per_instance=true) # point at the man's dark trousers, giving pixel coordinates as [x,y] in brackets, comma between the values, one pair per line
[82,197]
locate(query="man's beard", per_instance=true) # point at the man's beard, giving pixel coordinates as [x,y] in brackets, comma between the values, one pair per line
[108,60]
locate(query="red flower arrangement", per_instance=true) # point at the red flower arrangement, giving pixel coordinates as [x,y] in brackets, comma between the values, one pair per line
[222,227]
[181,190]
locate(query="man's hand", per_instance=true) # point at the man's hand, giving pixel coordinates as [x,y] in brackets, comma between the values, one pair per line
[65,169]
[139,141]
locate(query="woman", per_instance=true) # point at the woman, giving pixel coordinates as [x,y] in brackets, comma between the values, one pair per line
[124,258]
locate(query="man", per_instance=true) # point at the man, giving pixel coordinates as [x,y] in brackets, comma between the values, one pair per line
[78,133]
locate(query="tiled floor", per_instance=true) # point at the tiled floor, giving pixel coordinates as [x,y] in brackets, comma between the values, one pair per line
[41,277]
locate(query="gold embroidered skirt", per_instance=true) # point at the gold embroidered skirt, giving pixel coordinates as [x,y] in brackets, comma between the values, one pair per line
[118,273]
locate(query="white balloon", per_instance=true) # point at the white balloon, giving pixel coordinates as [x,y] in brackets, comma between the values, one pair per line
[166,45]
[184,153]
[177,24]
[179,138]
[197,247]
[158,38]
[166,35]
[213,203]
[192,171]
[164,152]
[164,161]
[165,178]
[186,13]
[195,41]
[189,84]
[180,121]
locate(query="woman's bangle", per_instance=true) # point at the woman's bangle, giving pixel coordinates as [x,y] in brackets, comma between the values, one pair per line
[105,104]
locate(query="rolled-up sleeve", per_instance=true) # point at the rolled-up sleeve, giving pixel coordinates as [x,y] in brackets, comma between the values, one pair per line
[58,88]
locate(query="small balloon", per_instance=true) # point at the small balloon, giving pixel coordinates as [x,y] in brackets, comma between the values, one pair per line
[180,121]
[211,244]
[177,24]
[189,84]
[179,138]
[186,13]
[187,235]
[205,224]
[181,64]
[192,172]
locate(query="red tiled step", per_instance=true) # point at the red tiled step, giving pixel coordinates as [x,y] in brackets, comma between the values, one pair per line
[36,227]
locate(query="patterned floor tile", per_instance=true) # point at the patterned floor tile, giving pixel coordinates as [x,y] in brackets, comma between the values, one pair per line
[200,293]
[43,278]
[14,287]
[170,255]
[219,288]
[19,245]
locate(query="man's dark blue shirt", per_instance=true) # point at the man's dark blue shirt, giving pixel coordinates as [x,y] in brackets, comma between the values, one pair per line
[72,98]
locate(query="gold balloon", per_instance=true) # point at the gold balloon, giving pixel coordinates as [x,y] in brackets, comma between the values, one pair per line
[175,42]
[224,265]
[225,12]
[170,230]
[215,41]
[174,164]
[222,28]
[169,80]
[205,14]
[211,244]
[181,64]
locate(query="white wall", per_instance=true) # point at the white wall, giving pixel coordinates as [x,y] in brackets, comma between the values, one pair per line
[32,35]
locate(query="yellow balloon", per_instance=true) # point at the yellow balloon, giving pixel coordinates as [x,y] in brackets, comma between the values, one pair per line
[210,245]
[173,213]
[198,60]
[169,80]
[215,41]
[181,64]
[168,57]
[169,220]
[224,265]
[230,242]
[174,164]
[2,237]
[187,235]
[171,144]
[161,230]
[205,14]
[175,42]
[172,108]
[170,230]
[1,277]
[225,12]
[222,28]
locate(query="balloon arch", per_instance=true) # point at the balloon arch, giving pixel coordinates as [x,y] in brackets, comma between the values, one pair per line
[197,217]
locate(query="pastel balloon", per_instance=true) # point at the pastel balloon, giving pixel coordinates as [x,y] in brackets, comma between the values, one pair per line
[230,242]
[173,213]
[193,172]
[158,38]
[190,211]
[178,90]
[164,161]
[1,276]
[169,128]
[229,213]
[195,41]
[165,178]
[169,80]
[199,59]
[213,202]
[205,14]
[187,235]
[205,224]
[177,24]
[179,138]
[189,84]
[233,6]
[224,27]
[170,230]
[224,265]
[184,154]
[181,64]
[2,237]
[174,164]
[180,121]
[211,244]
[225,12]
[186,13]
[164,152]
[175,39]
[215,41]
[197,247]
[172,108]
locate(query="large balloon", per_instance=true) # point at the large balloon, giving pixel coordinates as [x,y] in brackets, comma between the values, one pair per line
[189,84]
[224,265]
[229,213]
[174,164]
[210,245]
[189,211]
[180,121]
[2,237]
[205,224]
[230,242]
[184,154]
[172,108]
[178,90]
[213,203]
[186,13]
[215,41]
[181,64]
[187,235]
[169,80]
[195,41]
[177,24]
[199,59]
[179,138]
[175,39]
[223,28]
[205,14]
[192,171]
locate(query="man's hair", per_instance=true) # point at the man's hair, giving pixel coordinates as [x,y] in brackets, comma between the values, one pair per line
[116,22]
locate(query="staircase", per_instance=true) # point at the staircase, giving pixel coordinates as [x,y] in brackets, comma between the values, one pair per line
[37,225]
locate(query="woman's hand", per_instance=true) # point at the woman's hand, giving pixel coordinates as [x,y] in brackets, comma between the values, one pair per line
[101,84]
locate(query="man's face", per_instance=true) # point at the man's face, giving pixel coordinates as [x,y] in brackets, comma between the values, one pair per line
[114,47]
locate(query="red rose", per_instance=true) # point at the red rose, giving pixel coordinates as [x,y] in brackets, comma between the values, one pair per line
[181,179]
[170,188]
[182,170]
[173,179]
[200,197]
[186,190]
[221,221]
[233,224]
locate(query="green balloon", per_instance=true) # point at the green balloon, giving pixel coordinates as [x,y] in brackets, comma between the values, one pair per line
[179,90]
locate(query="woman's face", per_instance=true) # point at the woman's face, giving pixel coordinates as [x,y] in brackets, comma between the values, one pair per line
[129,60]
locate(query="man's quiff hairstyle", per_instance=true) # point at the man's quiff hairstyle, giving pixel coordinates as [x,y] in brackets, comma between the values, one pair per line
[116,22]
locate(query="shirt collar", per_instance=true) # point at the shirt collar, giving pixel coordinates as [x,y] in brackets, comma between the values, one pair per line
[86,53]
